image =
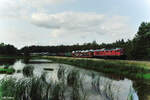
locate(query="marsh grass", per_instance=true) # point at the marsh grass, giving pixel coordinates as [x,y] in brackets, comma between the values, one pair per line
[131,69]
[73,80]
[69,87]
[7,85]
[24,89]
[34,89]
[28,70]
[7,70]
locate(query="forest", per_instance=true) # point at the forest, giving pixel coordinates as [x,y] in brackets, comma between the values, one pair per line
[7,49]
[137,49]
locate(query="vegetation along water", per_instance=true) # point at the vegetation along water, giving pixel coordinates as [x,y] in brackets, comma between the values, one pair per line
[131,69]
[66,82]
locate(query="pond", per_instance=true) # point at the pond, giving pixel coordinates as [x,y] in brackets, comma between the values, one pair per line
[44,80]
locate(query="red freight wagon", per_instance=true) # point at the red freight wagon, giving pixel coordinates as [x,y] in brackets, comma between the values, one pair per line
[99,52]
[108,52]
[113,52]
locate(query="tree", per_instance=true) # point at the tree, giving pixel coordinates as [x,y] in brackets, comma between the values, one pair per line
[8,49]
[142,41]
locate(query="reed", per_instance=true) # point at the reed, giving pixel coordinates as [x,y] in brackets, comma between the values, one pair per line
[28,70]
[7,70]
[133,69]
[24,89]
[69,87]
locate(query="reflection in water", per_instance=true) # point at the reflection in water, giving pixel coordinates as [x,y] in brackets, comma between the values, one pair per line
[143,88]
[26,60]
[87,85]
[7,62]
[28,70]
[67,83]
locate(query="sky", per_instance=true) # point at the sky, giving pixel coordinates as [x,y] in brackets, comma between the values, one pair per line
[67,22]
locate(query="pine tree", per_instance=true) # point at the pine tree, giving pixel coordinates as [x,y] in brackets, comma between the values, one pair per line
[142,41]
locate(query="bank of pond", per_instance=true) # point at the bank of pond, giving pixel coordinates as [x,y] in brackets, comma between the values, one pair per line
[130,69]
[48,80]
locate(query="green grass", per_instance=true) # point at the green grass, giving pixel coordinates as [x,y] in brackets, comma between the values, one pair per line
[37,88]
[17,57]
[131,69]
[147,76]
[10,57]
[7,71]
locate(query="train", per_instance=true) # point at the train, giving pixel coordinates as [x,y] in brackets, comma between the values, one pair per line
[98,53]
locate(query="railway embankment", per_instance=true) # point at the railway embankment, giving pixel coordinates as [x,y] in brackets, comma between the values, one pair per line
[126,68]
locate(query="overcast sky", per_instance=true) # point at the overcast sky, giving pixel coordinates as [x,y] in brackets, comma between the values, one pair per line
[56,22]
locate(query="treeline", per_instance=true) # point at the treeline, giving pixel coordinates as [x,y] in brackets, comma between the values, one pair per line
[137,48]
[7,49]
[86,46]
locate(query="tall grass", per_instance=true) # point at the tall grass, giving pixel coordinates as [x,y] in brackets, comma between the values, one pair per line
[21,90]
[7,70]
[70,86]
[28,70]
[37,88]
[129,69]
[73,79]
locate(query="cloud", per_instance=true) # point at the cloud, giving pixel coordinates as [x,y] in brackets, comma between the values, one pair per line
[14,9]
[24,8]
[57,28]
[42,3]
[73,23]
